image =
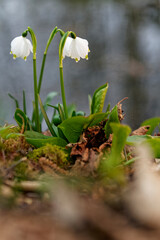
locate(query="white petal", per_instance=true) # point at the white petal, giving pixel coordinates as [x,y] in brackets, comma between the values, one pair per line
[66,49]
[78,48]
[82,47]
[21,47]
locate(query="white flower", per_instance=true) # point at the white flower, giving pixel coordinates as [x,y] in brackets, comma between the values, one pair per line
[76,48]
[21,47]
[66,51]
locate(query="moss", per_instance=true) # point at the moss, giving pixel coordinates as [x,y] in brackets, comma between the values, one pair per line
[21,171]
[54,153]
[17,144]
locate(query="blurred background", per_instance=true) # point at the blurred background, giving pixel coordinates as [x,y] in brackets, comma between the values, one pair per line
[124,39]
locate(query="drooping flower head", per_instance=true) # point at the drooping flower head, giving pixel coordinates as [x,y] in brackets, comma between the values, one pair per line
[21,47]
[76,48]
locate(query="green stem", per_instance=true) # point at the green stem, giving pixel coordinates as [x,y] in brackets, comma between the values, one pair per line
[38,128]
[52,35]
[63,92]
[24,102]
[61,46]
[41,73]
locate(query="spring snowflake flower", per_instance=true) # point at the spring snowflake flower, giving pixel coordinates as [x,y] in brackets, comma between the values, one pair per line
[76,48]
[21,47]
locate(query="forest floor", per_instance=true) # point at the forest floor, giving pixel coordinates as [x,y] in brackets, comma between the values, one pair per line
[45,200]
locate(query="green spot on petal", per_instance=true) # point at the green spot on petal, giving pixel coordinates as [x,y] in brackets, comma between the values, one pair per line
[14,56]
[76,59]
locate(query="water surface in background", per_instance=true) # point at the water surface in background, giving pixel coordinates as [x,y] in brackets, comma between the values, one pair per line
[124,39]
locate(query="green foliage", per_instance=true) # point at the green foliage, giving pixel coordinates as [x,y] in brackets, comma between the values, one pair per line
[111,164]
[95,119]
[39,140]
[42,142]
[136,139]
[34,134]
[22,119]
[153,123]
[15,100]
[54,153]
[48,99]
[72,127]
[113,118]
[7,130]
[154,142]
[98,99]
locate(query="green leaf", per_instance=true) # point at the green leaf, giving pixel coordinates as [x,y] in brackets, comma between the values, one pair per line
[41,142]
[72,127]
[39,139]
[48,99]
[110,167]
[71,108]
[14,135]
[61,112]
[95,119]
[34,134]
[153,123]
[24,103]
[120,134]
[136,139]
[155,145]
[21,119]
[113,118]
[98,99]
[90,102]
[46,117]
[5,131]
[15,100]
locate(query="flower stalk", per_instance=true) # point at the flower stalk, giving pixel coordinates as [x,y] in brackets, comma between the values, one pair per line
[34,42]
[52,35]
[61,47]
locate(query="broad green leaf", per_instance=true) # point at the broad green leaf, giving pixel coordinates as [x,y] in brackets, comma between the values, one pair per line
[120,134]
[110,167]
[41,142]
[21,119]
[135,139]
[98,99]
[95,119]
[113,118]
[153,123]
[72,127]
[155,145]
[34,134]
